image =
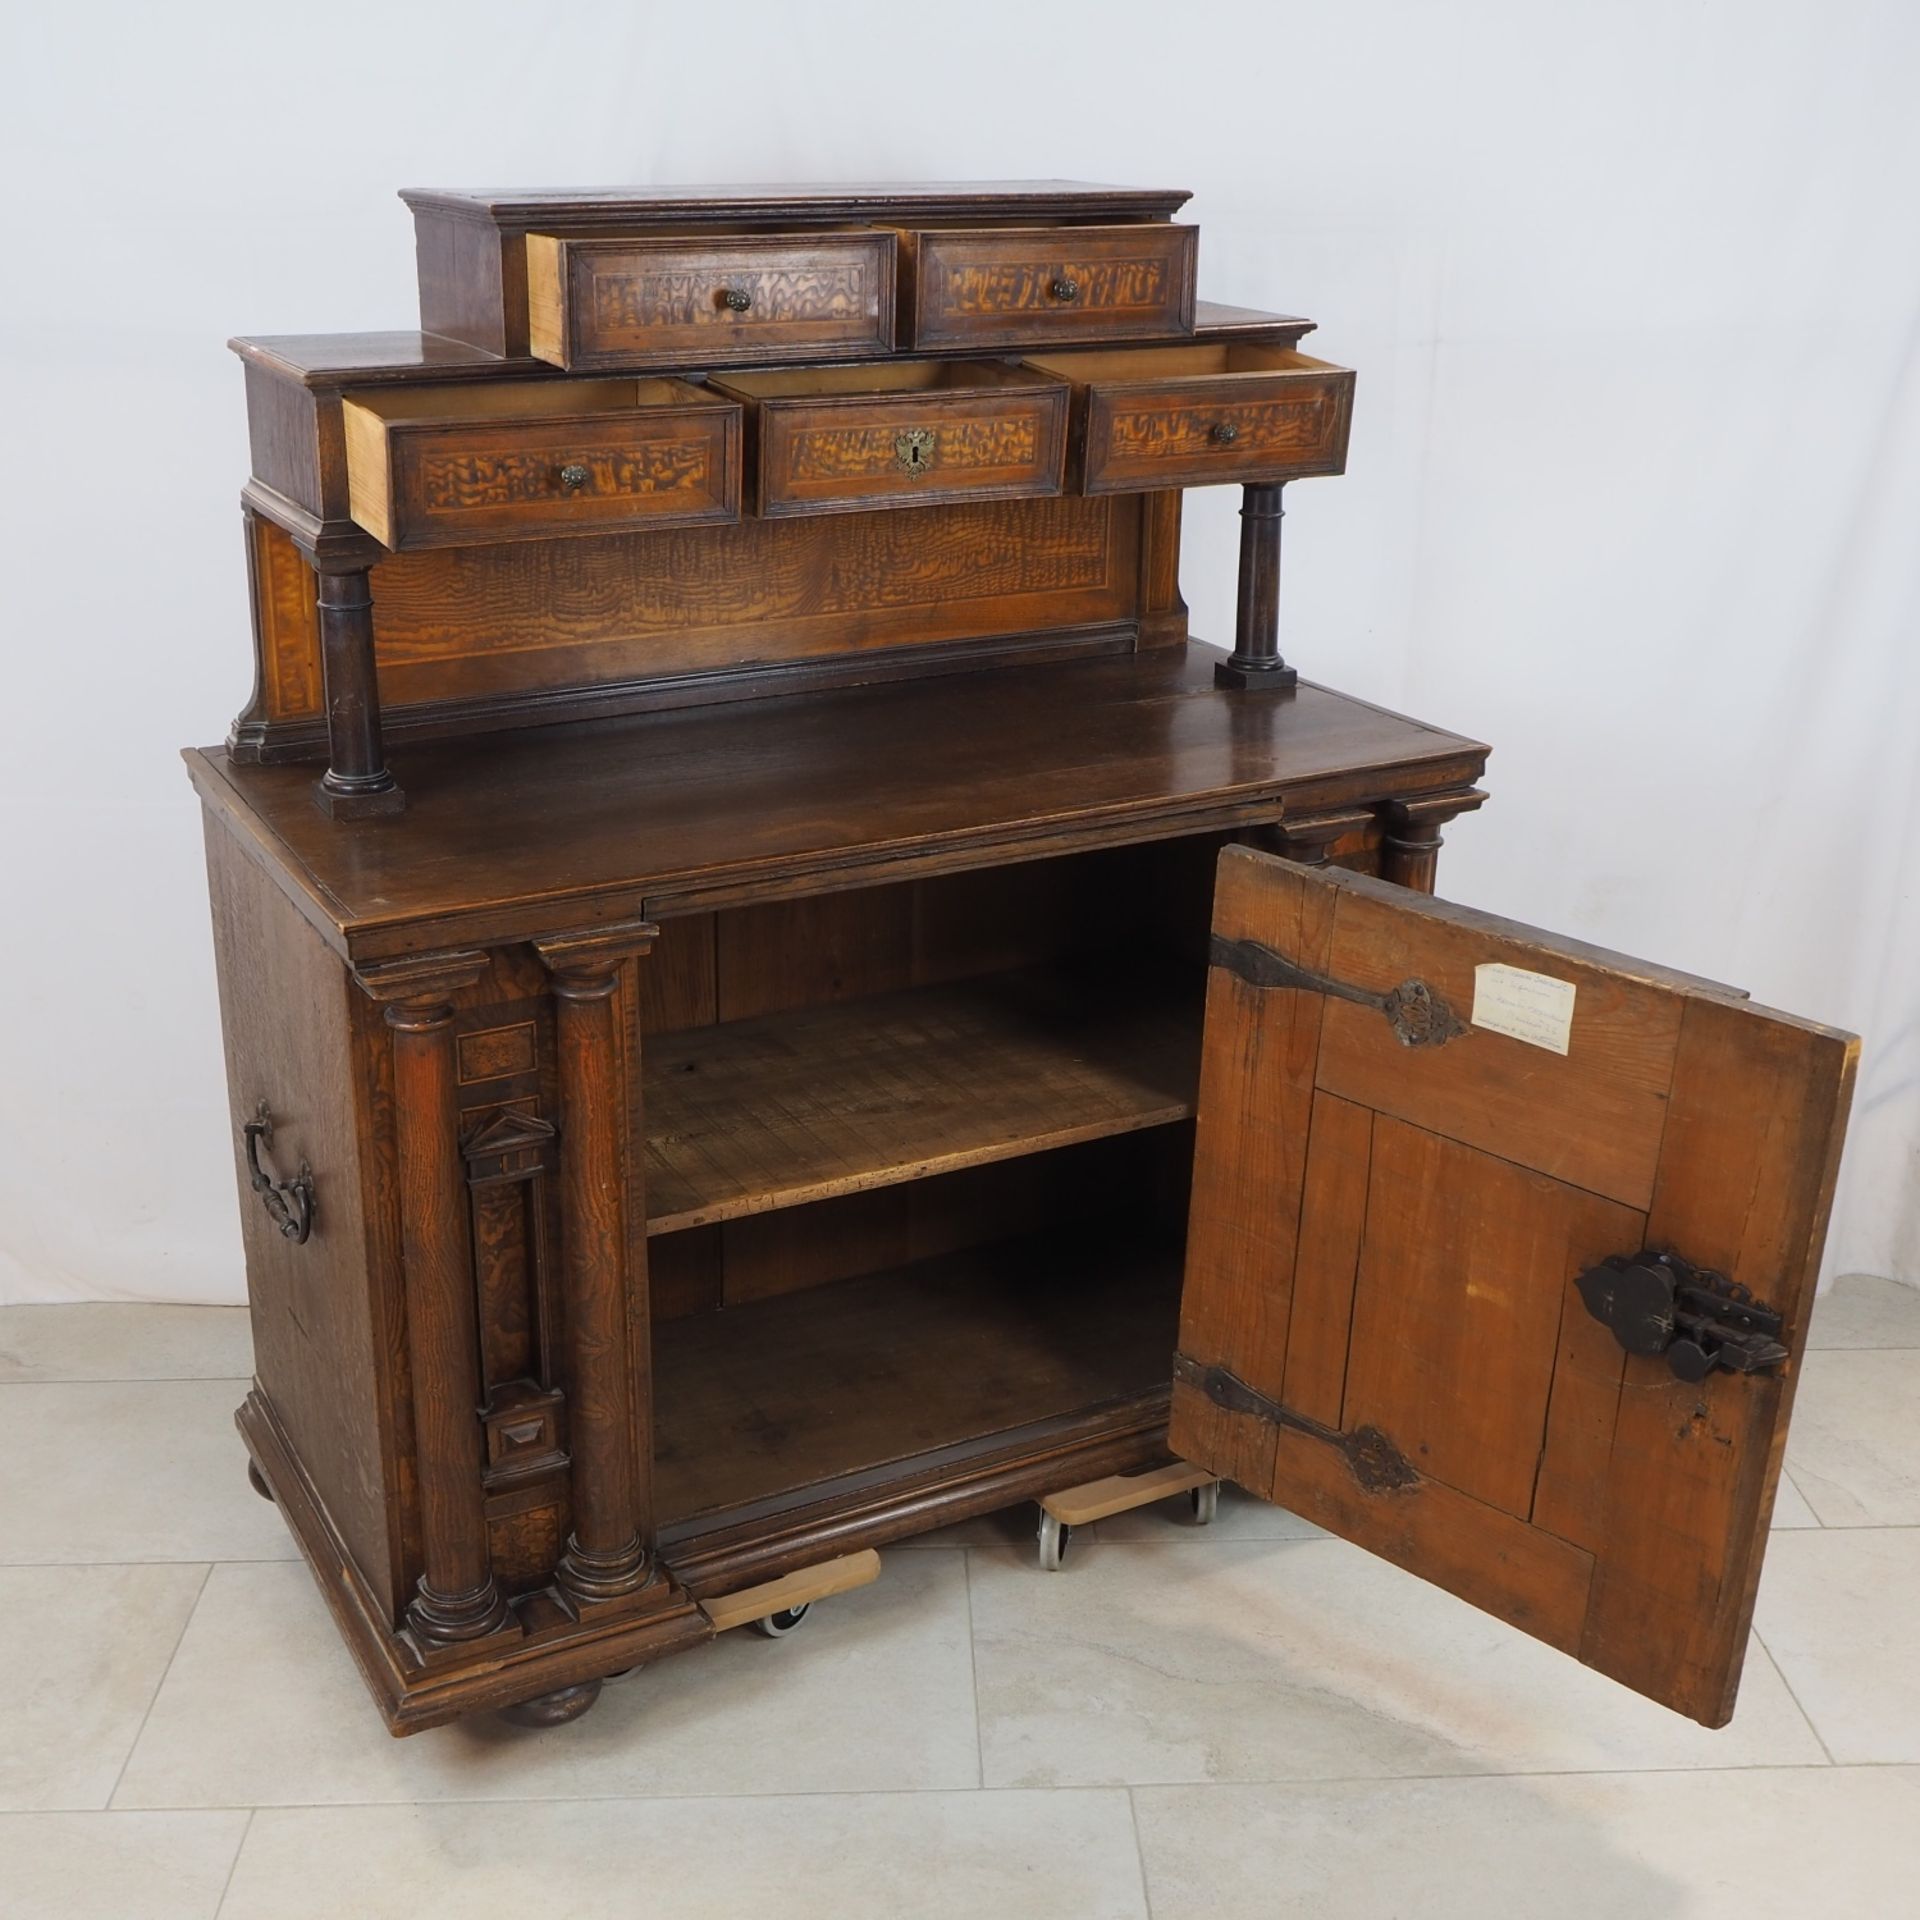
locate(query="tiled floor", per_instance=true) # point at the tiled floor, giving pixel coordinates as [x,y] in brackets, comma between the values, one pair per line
[1249,1720]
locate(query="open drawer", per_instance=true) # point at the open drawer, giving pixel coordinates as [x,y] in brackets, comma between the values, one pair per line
[1194,416]
[975,287]
[519,460]
[899,433]
[598,301]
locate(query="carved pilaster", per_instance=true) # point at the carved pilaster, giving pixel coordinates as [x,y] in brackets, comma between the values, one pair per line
[456,1600]
[357,780]
[1255,662]
[1410,848]
[608,1399]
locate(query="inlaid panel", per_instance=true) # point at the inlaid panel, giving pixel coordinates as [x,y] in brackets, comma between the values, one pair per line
[519,619]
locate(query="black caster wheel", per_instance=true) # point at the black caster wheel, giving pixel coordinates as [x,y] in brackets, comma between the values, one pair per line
[1206,1503]
[776,1626]
[1053,1542]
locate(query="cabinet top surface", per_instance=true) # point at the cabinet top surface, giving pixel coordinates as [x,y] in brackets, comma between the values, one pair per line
[784,199]
[555,827]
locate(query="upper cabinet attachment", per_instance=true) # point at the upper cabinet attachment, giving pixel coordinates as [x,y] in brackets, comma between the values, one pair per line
[1032,286]
[691,300]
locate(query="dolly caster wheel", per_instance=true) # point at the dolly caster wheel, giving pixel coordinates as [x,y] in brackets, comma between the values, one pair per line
[776,1626]
[553,1709]
[258,1480]
[1205,1502]
[1053,1542]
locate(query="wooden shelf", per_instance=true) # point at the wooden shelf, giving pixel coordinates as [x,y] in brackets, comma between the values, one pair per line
[762,1402]
[800,1106]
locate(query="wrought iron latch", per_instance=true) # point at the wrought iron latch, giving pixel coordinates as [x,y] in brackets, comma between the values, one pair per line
[1656,1303]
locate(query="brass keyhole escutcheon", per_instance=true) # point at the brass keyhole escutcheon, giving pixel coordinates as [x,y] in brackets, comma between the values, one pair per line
[913,451]
[573,477]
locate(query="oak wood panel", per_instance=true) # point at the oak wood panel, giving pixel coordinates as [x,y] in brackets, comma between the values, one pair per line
[1460,1376]
[1490,1436]
[673,300]
[785,1394]
[327,1352]
[1747,1173]
[1020,286]
[818,792]
[1250,1145]
[1596,1120]
[814,951]
[1333,1217]
[805,1105]
[907,433]
[494,635]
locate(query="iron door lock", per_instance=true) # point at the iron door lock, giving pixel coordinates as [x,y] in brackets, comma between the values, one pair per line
[1658,1303]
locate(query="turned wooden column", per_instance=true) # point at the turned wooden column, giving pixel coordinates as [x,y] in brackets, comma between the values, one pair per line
[357,780]
[1255,662]
[1410,847]
[607,1555]
[457,1599]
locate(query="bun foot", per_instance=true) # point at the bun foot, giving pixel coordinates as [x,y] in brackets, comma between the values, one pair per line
[553,1709]
[258,1480]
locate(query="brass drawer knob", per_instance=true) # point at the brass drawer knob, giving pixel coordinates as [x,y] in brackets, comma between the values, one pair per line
[1225,432]
[1065,288]
[736,300]
[573,477]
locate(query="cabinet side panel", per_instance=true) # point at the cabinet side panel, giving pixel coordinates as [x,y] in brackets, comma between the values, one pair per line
[286,1017]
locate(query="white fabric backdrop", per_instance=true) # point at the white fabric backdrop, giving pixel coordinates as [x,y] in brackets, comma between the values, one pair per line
[1634,293]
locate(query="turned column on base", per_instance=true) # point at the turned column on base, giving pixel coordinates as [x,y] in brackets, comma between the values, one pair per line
[1255,663]
[607,1555]
[357,780]
[456,1600]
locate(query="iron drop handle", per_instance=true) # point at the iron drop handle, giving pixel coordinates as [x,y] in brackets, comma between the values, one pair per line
[289,1203]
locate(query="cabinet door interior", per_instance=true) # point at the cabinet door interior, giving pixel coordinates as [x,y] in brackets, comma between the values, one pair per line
[1501,1258]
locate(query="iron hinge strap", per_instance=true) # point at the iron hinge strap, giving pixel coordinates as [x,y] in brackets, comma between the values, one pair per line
[1418,1016]
[1376,1463]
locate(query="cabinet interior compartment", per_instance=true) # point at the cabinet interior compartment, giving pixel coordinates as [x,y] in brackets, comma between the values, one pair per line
[930,1192]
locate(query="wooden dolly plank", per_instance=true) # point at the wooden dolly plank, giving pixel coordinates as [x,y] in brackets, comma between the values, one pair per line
[1122,1492]
[797,1589]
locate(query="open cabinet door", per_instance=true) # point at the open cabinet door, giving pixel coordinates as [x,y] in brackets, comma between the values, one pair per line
[1500,1260]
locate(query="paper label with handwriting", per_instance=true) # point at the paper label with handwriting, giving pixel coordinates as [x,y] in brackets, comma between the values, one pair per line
[1534,1007]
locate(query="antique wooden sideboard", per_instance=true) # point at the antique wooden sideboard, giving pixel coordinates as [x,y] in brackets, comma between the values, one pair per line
[775,999]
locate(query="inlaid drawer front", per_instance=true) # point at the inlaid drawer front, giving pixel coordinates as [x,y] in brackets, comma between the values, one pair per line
[520,460]
[676,301]
[1024,286]
[900,434]
[1158,417]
